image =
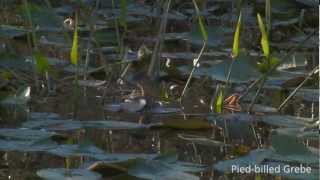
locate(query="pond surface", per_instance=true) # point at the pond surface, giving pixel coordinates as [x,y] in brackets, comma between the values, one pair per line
[110,118]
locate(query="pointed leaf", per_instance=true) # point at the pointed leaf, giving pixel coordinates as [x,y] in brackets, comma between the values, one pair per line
[235,48]
[201,22]
[219,102]
[74,50]
[264,38]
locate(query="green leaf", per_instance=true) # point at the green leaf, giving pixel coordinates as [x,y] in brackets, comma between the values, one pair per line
[123,13]
[219,102]
[42,64]
[235,48]
[268,63]
[74,49]
[201,22]
[264,38]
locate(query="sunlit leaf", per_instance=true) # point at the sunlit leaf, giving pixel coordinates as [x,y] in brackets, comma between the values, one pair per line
[236,38]
[264,38]
[42,64]
[74,49]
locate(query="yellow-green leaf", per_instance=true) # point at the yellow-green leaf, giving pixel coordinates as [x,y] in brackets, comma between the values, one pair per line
[74,49]
[42,64]
[236,37]
[266,64]
[201,22]
[219,102]
[203,29]
[264,38]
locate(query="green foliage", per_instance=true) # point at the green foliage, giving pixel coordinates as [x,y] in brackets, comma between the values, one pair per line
[42,64]
[267,63]
[74,49]
[123,13]
[219,102]
[236,39]
[264,38]
[201,22]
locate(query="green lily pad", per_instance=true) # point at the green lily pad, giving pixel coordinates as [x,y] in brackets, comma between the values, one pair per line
[9,32]
[67,174]
[164,167]
[65,125]
[243,70]
[255,157]
[287,121]
[291,149]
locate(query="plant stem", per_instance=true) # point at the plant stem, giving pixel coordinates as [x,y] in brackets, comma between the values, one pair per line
[154,67]
[193,69]
[274,67]
[297,88]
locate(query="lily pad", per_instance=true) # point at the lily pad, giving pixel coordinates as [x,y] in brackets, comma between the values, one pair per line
[291,149]
[255,157]
[287,121]
[9,32]
[243,70]
[164,167]
[65,125]
[67,174]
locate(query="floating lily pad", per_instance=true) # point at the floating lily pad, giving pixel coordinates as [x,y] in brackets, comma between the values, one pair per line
[287,121]
[289,148]
[24,134]
[243,70]
[43,18]
[164,168]
[9,32]
[216,36]
[65,125]
[202,140]
[67,174]
[26,140]
[255,157]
